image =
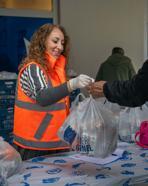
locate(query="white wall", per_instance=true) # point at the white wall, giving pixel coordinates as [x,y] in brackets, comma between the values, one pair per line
[96,26]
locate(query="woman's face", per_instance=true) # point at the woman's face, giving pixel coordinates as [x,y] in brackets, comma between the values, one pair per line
[55,43]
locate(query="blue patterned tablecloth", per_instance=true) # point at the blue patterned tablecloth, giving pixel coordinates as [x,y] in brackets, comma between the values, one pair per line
[62,170]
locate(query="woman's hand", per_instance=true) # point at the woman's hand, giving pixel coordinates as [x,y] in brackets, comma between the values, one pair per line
[80,81]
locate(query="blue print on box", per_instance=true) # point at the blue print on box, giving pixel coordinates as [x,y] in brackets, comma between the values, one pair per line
[105,168]
[38,159]
[84,148]
[127,172]
[54,171]
[25,184]
[59,161]
[101,176]
[143,155]
[77,165]
[69,135]
[26,176]
[129,165]
[126,156]
[75,184]
[51,180]
[127,182]
[35,167]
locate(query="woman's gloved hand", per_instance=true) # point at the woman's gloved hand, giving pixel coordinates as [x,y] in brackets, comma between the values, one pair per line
[79,82]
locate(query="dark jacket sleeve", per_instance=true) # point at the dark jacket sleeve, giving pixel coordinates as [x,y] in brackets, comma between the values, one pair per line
[130,93]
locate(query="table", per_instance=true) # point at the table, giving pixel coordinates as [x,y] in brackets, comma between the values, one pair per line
[62,170]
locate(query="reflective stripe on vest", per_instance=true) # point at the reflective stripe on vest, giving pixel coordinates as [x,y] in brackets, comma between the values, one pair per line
[31,106]
[43,126]
[38,144]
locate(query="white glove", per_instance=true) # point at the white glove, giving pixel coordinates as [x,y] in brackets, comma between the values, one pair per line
[80,82]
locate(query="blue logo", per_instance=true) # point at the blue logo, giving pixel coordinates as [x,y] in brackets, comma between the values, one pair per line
[51,180]
[54,171]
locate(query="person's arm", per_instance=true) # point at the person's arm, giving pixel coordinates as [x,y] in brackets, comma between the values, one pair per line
[129,93]
[34,85]
[50,95]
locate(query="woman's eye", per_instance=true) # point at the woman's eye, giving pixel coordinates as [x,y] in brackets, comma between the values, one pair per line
[55,41]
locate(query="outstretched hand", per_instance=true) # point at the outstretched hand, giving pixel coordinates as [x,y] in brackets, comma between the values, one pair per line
[80,81]
[96,89]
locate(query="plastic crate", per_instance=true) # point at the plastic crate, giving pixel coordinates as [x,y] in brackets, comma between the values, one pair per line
[7,87]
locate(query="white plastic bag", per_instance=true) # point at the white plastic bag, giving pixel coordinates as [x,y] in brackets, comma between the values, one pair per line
[141,114]
[69,130]
[10,161]
[93,129]
[113,107]
[130,120]
[89,120]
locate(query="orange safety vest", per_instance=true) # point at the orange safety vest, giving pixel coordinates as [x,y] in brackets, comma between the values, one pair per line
[35,126]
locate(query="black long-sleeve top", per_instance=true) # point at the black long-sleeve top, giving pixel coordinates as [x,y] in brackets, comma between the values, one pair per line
[130,93]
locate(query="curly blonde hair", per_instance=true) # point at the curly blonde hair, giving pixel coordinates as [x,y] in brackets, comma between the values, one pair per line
[37,46]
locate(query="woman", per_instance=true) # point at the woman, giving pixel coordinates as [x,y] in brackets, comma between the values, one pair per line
[42,102]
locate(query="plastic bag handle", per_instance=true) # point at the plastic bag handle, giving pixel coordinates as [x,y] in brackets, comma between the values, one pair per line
[77,100]
[137,142]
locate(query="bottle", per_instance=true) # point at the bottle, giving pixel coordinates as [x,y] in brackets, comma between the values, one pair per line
[125,126]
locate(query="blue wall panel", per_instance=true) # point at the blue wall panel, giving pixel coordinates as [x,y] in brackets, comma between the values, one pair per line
[13,30]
